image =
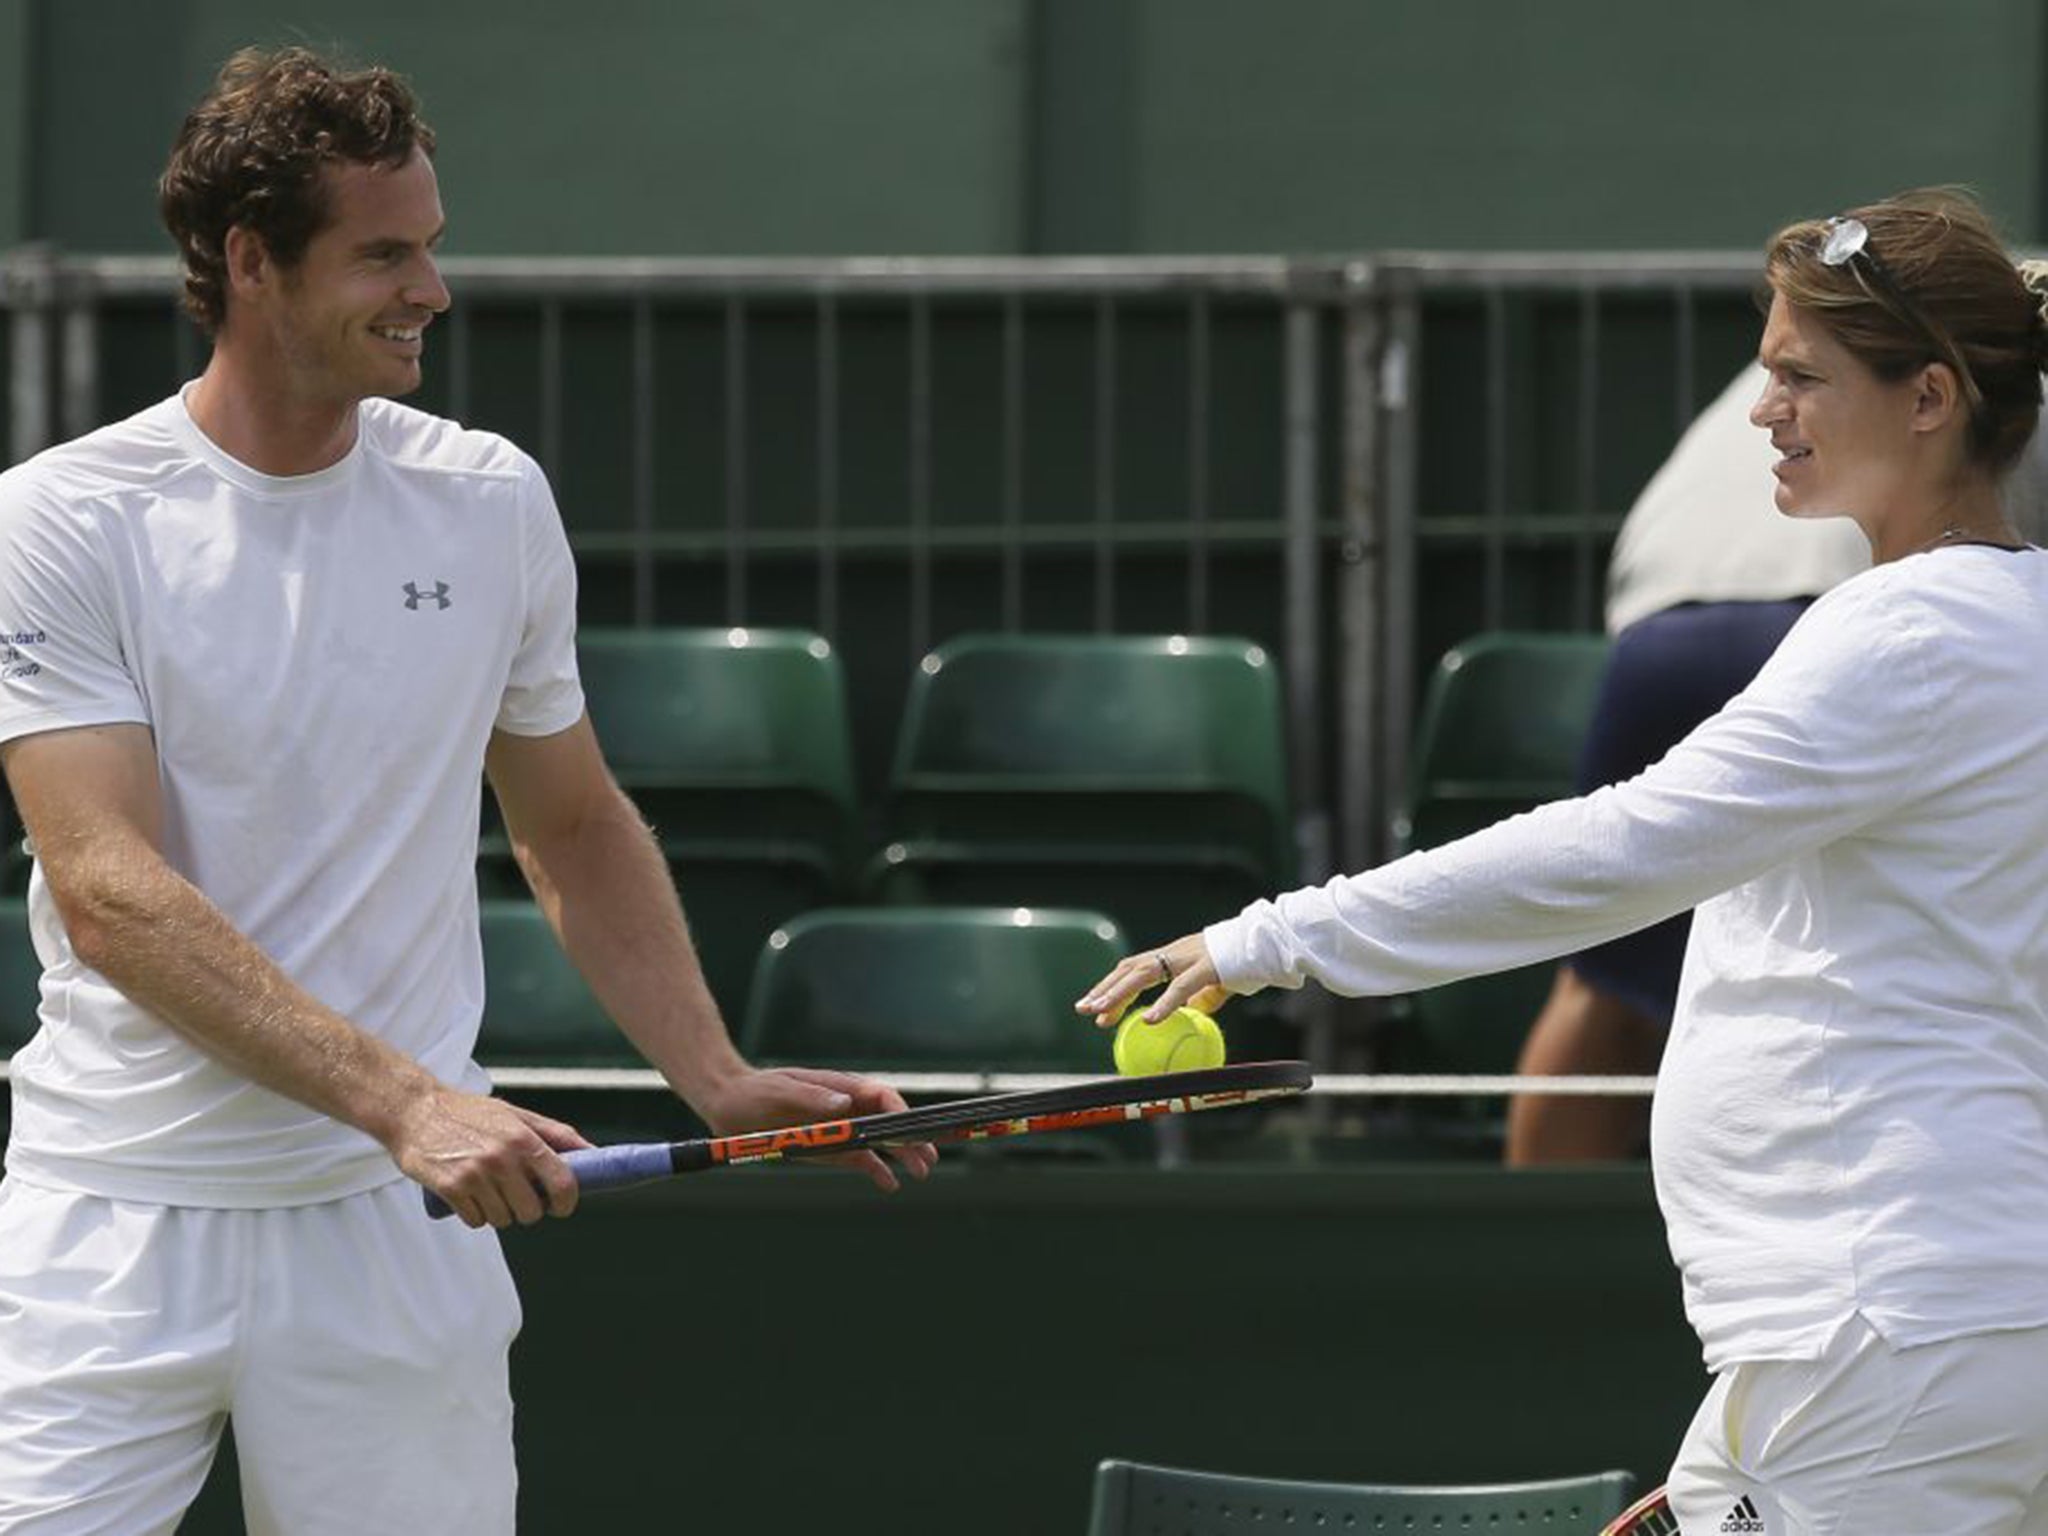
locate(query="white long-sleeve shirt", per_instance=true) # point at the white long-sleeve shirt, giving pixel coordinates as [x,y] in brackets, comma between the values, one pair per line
[1852,1114]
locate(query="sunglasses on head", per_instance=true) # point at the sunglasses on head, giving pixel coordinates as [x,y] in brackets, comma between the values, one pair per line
[1842,242]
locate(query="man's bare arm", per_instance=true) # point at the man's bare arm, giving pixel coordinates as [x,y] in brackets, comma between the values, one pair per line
[91,802]
[600,877]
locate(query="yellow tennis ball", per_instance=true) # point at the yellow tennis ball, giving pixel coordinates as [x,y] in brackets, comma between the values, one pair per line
[1183,1041]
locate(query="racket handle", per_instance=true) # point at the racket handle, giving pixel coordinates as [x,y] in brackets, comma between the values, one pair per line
[614,1167]
[597,1168]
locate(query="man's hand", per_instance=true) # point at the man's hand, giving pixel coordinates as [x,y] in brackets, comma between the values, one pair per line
[492,1162]
[756,1099]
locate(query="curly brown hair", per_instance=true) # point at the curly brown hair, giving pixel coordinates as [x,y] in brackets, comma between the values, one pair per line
[250,155]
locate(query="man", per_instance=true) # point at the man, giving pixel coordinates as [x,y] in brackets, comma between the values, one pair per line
[262,638]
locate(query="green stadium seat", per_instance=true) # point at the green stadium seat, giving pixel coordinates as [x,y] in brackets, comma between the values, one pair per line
[538,1010]
[15,860]
[726,732]
[1143,777]
[1501,728]
[1504,716]
[1164,741]
[935,989]
[1132,1498]
[21,977]
[734,744]
[1153,891]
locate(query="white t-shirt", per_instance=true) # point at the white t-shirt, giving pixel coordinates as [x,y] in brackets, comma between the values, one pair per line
[322,660]
[1852,1114]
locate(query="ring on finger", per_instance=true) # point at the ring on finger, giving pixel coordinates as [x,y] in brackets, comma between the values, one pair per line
[1165,968]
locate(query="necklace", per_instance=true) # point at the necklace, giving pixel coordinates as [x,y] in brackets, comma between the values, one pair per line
[1955,533]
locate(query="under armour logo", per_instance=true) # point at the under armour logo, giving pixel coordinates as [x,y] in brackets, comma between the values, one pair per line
[413,595]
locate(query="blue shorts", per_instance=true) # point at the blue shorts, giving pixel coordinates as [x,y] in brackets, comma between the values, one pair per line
[1666,674]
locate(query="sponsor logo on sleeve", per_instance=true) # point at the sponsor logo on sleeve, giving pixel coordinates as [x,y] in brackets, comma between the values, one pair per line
[18,648]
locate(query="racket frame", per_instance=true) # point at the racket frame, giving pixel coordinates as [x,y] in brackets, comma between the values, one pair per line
[1648,1516]
[1091,1102]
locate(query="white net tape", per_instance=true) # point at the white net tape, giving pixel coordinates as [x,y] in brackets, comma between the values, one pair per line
[1361,1085]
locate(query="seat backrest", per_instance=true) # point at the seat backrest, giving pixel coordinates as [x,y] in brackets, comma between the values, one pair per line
[1132,719]
[1106,710]
[538,1010]
[21,978]
[1131,1497]
[967,988]
[736,708]
[1505,715]
[1502,727]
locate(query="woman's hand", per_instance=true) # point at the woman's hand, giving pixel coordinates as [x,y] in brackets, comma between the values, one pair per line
[1183,968]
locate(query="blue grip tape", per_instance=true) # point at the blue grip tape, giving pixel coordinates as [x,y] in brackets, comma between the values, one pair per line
[611,1167]
[598,1168]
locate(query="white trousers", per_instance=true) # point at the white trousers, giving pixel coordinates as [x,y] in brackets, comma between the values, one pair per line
[1946,1439]
[361,1349]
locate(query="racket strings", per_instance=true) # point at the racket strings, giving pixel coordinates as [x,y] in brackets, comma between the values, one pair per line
[1648,1516]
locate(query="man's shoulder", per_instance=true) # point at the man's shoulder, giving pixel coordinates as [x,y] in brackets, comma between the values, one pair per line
[416,440]
[138,454]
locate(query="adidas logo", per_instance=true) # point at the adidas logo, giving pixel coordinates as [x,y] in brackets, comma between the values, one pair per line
[1743,1520]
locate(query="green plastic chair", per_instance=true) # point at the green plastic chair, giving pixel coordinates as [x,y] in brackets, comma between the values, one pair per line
[1502,724]
[1503,719]
[1168,741]
[725,733]
[1132,1499]
[735,894]
[938,988]
[21,979]
[734,744]
[1155,894]
[15,859]
[538,1010]
[1152,894]
[1142,777]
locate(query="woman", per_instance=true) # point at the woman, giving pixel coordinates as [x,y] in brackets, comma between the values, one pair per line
[1850,1139]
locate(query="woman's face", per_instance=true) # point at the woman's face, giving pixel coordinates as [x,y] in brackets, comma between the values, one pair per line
[1841,432]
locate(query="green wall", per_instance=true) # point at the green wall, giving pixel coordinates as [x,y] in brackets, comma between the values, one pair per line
[787,1351]
[1008,126]
[614,127]
[16,144]
[1330,124]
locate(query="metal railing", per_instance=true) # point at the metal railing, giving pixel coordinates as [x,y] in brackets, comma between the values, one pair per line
[1353,517]
[58,304]
[1406,285]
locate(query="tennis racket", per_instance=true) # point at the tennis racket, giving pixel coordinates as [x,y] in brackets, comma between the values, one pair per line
[1648,1516]
[1100,1101]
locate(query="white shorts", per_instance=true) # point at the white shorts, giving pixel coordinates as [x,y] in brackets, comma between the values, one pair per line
[361,1349]
[1948,1438]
